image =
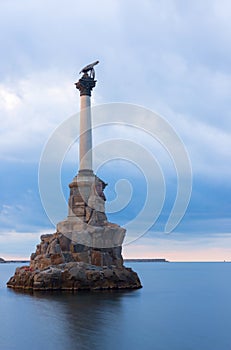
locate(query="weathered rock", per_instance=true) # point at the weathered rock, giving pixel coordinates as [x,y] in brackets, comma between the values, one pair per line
[64,242]
[74,276]
[47,237]
[56,248]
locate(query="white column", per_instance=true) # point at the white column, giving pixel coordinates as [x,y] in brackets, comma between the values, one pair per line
[85,141]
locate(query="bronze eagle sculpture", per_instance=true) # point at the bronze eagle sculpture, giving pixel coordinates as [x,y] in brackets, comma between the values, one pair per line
[89,67]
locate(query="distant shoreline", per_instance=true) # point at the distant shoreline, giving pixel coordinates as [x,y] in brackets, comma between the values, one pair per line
[2,261]
[126,260]
[146,260]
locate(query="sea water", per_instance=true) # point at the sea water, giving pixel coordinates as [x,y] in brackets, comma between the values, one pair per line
[182,306]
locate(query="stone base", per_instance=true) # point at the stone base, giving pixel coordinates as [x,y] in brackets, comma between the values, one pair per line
[107,235]
[85,252]
[74,276]
[58,248]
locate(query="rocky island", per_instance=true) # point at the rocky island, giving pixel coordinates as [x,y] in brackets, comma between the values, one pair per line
[85,252]
[61,264]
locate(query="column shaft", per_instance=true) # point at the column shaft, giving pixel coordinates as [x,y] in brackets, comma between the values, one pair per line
[85,140]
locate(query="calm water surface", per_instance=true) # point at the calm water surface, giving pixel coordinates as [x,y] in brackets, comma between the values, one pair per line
[182,306]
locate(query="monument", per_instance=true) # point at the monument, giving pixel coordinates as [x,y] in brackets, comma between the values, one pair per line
[85,252]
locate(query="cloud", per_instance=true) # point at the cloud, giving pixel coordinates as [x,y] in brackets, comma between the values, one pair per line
[42,35]
[15,245]
[170,57]
[208,147]
[31,108]
[185,248]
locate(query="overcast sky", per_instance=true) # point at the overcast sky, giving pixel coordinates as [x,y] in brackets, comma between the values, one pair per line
[170,57]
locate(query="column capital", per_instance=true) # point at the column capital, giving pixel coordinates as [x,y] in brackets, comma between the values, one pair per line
[85,85]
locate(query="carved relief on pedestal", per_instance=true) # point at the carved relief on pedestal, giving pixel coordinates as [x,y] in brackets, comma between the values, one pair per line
[87,200]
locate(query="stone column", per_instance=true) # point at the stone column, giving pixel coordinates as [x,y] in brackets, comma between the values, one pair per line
[85,86]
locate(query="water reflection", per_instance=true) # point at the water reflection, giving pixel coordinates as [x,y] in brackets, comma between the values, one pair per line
[182,306]
[81,320]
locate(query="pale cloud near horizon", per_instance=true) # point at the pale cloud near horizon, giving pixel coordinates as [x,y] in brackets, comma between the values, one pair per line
[186,248]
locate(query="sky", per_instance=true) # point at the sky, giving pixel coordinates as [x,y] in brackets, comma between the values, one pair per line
[169,57]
